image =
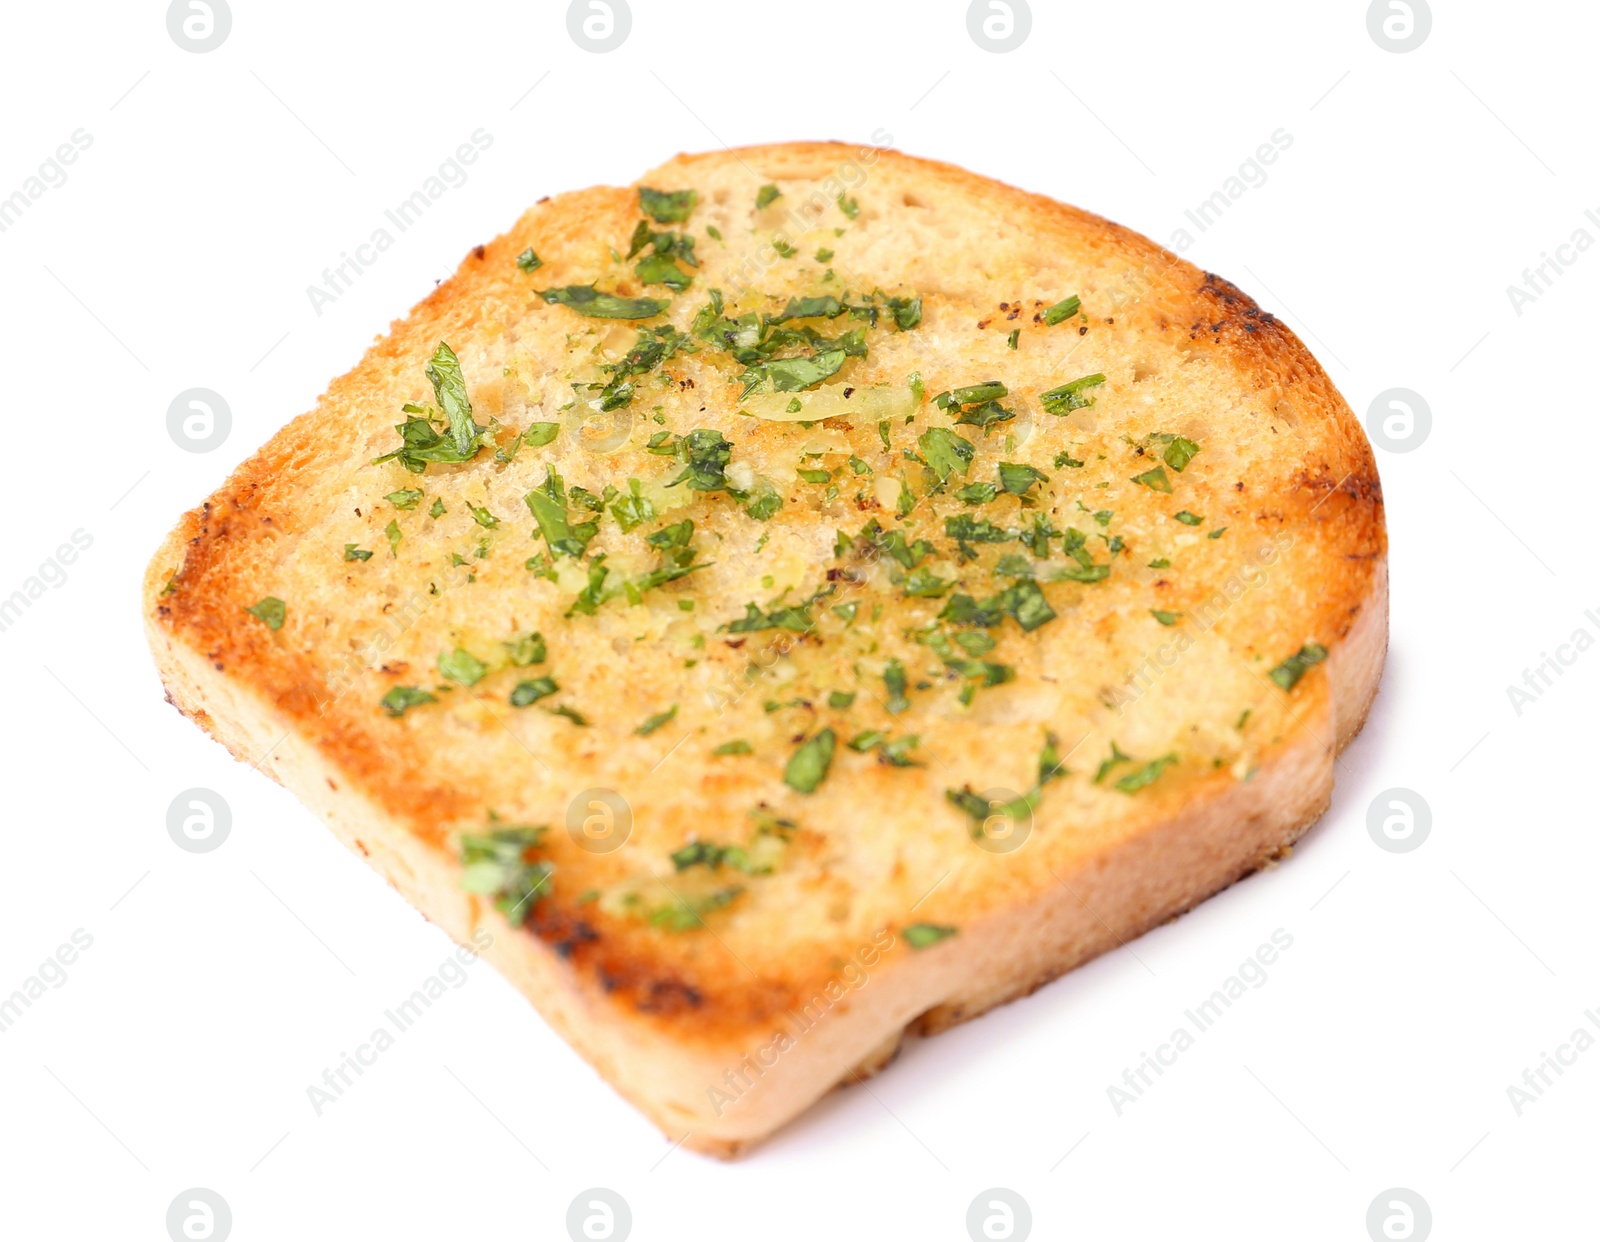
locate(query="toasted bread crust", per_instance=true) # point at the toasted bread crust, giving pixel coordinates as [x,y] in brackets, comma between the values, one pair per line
[667,1018]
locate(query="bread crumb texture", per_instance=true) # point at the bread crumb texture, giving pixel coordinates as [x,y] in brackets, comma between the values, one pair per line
[823,569]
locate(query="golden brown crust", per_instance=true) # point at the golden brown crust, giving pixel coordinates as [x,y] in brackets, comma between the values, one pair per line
[1308,545]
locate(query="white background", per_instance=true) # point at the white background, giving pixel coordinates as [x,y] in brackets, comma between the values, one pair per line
[177,254]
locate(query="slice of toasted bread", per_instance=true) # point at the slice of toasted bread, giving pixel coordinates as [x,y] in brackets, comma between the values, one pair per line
[899,729]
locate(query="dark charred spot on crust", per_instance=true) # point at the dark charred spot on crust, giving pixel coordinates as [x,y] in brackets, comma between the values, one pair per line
[669,996]
[566,933]
[477,253]
[1240,309]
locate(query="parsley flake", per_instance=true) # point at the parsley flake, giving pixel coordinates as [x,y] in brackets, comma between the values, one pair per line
[270,612]
[808,766]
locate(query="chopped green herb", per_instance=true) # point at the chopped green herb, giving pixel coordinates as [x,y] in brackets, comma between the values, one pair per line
[402,699]
[1067,461]
[923,583]
[705,456]
[1064,309]
[1160,562]
[737,747]
[966,529]
[763,504]
[526,649]
[809,765]
[1011,341]
[462,666]
[795,618]
[353,553]
[1108,764]
[405,498]
[539,434]
[1017,479]
[841,699]
[794,374]
[1155,479]
[528,261]
[922,935]
[657,720]
[980,809]
[766,195]
[1180,453]
[894,680]
[945,452]
[905,502]
[421,441]
[1069,397]
[1218,533]
[548,503]
[1288,674]
[667,207]
[499,865]
[896,752]
[1187,518]
[633,509]
[526,693]
[1165,617]
[849,206]
[270,612]
[684,914]
[482,516]
[1023,601]
[824,256]
[392,531]
[589,301]
[1147,775]
[568,713]
[906,312]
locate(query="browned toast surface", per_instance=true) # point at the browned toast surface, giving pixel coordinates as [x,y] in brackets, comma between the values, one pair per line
[1003,628]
